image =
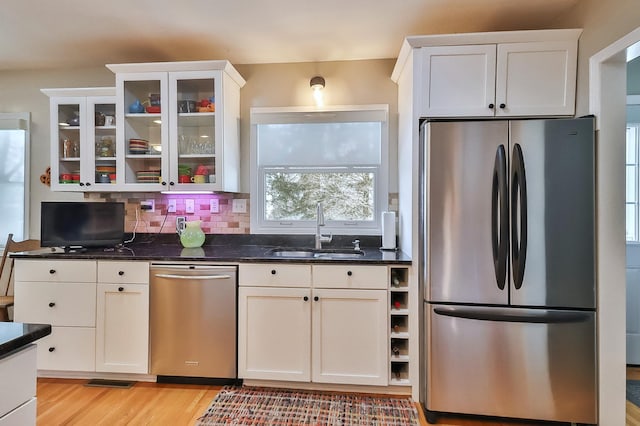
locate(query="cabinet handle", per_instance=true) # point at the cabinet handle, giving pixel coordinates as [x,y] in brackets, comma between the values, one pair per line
[51,349]
[52,271]
[165,183]
[316,298]
[349,273]
[503,106]
[52,304]
[170,183]
[120,288]
[273,272]
[306,298]
[121,273]
[491,106]
[81,184]
[88,183]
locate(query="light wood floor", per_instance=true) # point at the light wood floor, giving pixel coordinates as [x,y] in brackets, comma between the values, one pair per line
[633,412]
[70,402]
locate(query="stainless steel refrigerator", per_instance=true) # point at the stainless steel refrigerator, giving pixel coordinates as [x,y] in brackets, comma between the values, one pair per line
[507,268]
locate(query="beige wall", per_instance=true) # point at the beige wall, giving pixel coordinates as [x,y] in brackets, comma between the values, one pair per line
[603,23]
[347,83]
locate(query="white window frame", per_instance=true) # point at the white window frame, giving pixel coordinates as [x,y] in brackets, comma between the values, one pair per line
[20,121]
[636,165]
[268,115]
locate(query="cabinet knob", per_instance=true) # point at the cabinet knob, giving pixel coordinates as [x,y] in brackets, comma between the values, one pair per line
[170,183]
[503,106]
[120,288]
[51,349]
[52,271]
[316,298]
[52,304]
[81,183]
[349,273]
[273,272]
[88,184]
[306,298]
[165,183]
[121,273]
[491,106]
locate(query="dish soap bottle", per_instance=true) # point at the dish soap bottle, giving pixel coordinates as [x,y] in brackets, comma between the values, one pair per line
[192,235]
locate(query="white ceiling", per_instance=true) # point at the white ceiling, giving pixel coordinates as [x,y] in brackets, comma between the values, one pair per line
[36,34]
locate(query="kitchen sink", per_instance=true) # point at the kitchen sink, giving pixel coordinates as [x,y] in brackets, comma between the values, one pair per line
[317,253]
[291,253]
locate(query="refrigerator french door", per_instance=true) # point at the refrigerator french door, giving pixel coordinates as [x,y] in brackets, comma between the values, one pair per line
[507,268]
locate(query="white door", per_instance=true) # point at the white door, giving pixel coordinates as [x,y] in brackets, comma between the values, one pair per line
[274,326]
[458,81]
[349,337]
[122,328]
[536,78]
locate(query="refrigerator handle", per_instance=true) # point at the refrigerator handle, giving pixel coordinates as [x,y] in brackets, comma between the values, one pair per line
[514,315]
[500,217]
[518,216]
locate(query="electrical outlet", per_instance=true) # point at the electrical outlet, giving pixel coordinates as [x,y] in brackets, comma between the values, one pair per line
[239,206]
[171,206]
[214,205]
[148,206]
[189,206]
[180,223]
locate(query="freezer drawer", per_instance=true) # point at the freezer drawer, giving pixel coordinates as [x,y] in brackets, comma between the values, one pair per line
[507,362]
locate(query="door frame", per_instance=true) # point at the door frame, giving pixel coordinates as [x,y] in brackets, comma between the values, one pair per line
[607,101]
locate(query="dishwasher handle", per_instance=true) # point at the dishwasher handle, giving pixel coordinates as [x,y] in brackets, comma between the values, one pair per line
[195,277]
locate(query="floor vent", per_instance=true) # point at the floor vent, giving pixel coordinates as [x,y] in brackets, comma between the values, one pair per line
[122,384]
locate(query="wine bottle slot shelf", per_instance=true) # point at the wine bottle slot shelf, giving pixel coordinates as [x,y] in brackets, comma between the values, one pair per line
[400,333]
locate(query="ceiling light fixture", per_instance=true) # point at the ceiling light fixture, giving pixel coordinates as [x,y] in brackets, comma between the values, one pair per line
[317,84]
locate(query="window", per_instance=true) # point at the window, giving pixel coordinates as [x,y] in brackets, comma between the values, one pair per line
[14,166]
[631,170]
[302,157]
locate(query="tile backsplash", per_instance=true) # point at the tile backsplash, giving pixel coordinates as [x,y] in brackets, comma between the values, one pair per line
[159,221]
[223,222]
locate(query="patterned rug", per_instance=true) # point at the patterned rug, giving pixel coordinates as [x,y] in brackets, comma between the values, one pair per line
[265,406]
[633,391]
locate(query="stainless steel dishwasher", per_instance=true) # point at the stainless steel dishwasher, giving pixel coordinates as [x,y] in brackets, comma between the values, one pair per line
[193,320]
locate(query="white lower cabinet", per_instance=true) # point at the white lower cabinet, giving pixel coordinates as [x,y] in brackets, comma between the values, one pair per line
[349,337]
[265,317]
[122,328]
[98,310]
[68,349]
[324,335]
[122,317]
[18,388]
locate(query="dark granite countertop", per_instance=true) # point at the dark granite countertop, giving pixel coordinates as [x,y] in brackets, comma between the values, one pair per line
[15,335]
[228,248]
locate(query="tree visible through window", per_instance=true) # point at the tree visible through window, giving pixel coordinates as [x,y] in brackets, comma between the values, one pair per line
[305,157]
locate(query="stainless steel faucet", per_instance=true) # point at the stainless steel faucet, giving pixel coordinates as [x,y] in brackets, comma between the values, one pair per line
[320,222]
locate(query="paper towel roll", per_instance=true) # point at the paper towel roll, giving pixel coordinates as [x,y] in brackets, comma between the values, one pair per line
[388,230]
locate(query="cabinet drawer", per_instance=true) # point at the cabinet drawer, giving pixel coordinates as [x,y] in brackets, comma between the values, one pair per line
[60,304]
[21,416]
[68,348]
[18,372]
[123,272]
[274,275]
[350,276]
[72,271]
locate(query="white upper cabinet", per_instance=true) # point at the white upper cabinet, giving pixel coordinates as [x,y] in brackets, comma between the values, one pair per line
[511,79]
[536,78]
[179,125]
[83,136]
[459,80]
[496,74]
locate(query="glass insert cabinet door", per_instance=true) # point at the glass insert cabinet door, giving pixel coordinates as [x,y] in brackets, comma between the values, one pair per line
[143,135]
[67,116]
[194,132]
